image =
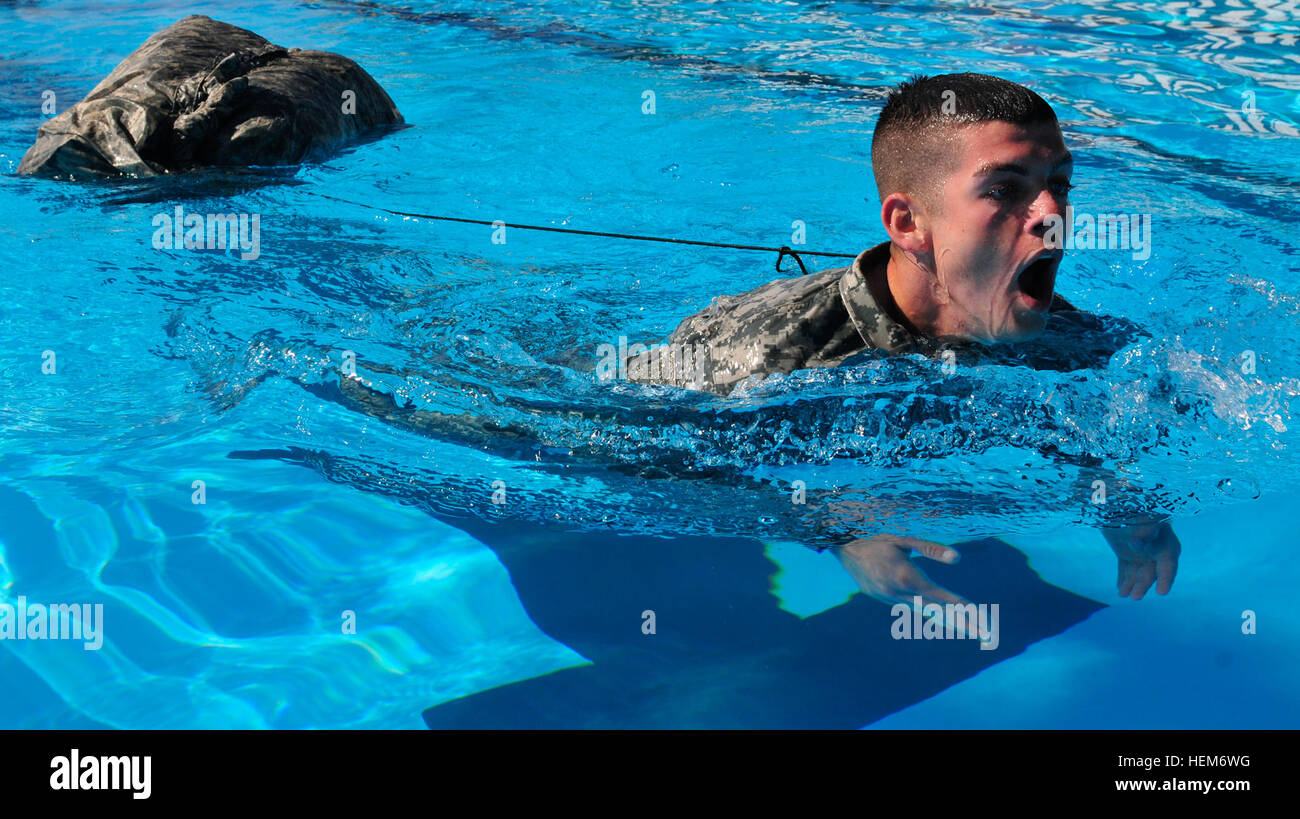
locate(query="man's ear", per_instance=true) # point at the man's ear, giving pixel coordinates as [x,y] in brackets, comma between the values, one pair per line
[906,224]
[908,227]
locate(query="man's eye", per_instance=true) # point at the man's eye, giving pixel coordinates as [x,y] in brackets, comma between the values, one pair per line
[1009,191]
[1000,193]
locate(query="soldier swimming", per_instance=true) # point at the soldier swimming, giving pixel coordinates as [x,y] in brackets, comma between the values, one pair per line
[204,93]
[971,170]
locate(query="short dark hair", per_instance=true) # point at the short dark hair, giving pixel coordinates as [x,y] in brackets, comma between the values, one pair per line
[907,150]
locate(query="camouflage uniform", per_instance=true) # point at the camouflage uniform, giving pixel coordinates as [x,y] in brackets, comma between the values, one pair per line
[791,324]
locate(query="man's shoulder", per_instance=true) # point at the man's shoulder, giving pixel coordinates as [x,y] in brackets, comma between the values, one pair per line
[786,289]
[776,301]
[781,326]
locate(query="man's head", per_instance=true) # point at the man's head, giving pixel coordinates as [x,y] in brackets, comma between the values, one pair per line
[969,167]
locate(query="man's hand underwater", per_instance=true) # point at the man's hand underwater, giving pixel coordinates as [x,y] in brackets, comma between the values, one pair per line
[883,569]
[1148,553]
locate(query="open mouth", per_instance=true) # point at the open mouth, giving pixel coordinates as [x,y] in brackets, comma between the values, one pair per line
[1038,279]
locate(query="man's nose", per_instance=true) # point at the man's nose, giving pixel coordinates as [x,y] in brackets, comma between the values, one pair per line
[1046,208]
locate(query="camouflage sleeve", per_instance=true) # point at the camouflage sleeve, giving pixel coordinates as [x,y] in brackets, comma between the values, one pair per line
[785,325]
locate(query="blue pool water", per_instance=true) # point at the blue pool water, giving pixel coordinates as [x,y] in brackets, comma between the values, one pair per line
[177,366]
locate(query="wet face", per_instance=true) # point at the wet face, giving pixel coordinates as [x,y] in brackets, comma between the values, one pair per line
[995,276]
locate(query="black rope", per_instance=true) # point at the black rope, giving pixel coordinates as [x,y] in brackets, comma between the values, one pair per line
[781,252]
[785,251]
